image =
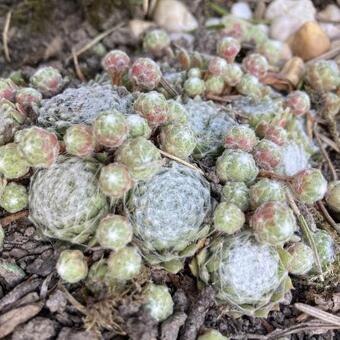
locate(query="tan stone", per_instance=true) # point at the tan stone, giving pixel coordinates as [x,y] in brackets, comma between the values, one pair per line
[138,27]
[174,16]
[309,41]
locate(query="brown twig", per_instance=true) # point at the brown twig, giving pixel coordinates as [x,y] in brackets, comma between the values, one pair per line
[179,160]
[95,41]
[273,175]
[73,301]
[302,327]
[5,35]
[328,217]
[226,99]
[310,121]
[5,221]
[319,314]
[79,73]
[169,88]
[305,228]
[329,142]
[328,55]
[332,126]
[325,154]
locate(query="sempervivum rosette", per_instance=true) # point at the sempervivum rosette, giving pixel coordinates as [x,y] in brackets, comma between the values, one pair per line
[168,214]
[209,124]
[81,105]
[65,201]
[248,276]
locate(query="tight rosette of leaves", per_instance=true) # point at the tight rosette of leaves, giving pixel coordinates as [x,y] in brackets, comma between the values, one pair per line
[82,104]
[209,124]
[65,201]
[169,214]
[248,276]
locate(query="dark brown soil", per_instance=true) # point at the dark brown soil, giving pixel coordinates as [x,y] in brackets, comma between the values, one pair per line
[33,305]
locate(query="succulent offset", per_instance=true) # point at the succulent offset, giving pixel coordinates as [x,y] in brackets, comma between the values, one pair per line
[39,147]
[110,128]
[212,334]
[153,107]
[115,180]
[28,99]
[178,139]
[145,73]
[125,264]
[8,89]
[267,154]
[159,302]
[48,81]
[72,266]
[156,42]
[240,137]
[266,190]
[236,193]
[228,218]
[273,222]
[309,185]
[333,196]
[302,258]
[12,164]
[141,157]
[323,75]
[79,140]
[326,248]
[236,166]
[10,120]
[114,232]
[14,197]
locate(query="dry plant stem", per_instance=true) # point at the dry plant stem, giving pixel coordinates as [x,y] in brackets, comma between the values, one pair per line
[168,87]
[330,143]
[73,301]
[309,125]
[79,73]
[305,228]
[179,160]
[325,154]
[272,175]
[302,327]
[331,123]
[328,217]
[226,99]
[13,217]
[94,41]
[319,314]
[5,36]
[328,55]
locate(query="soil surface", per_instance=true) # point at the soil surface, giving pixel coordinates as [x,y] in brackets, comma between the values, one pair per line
[33,304]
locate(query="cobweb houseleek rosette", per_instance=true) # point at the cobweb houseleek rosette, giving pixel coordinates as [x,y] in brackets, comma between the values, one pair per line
[169,214]
[65,201]
[251,278]
[209,124]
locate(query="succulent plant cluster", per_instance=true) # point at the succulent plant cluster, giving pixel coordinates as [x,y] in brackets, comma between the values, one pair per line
[97,160]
